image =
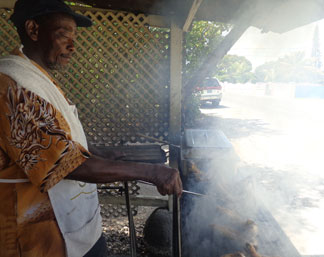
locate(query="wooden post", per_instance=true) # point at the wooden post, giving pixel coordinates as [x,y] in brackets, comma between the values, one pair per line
[175,91]
[7,4]
[175,95]
[175,125]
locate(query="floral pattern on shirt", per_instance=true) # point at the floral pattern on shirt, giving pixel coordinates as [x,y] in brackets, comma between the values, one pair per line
[30,116]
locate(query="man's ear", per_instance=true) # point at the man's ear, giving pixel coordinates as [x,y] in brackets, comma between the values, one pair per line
[31,28]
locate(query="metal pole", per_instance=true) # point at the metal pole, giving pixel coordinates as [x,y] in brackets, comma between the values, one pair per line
[132,232]
[176,232]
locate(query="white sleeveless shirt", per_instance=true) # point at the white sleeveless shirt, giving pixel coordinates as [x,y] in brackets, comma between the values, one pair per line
[75,204]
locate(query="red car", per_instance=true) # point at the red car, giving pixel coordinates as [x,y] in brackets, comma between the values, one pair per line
[210,92]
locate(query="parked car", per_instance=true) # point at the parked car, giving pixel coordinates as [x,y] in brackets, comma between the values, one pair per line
[210,92]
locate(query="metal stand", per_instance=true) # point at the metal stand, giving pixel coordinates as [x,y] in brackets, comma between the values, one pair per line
[176,234]
[132,231]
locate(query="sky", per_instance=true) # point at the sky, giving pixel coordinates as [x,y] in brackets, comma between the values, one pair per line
[260,47]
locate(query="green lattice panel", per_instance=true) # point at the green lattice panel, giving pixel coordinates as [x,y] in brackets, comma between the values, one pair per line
[8,36]
[119,76]
[120,79]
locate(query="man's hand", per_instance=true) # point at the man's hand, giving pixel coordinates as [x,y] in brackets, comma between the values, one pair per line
[167,180]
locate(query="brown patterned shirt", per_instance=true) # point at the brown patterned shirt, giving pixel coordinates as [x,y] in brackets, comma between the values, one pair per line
[35,143]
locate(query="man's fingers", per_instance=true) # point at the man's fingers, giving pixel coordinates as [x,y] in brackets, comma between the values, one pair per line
[179,187]
[168,181]
[161,191]
[176,186]
[167,189]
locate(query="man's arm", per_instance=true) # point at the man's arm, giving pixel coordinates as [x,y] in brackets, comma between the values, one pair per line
[99,170]
[110,155]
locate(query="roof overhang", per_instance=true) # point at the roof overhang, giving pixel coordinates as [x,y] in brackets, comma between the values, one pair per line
[270,15]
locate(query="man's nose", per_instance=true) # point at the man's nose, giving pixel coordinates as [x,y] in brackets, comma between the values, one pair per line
[71,46]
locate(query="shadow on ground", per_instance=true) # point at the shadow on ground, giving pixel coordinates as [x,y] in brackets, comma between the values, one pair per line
[235,128]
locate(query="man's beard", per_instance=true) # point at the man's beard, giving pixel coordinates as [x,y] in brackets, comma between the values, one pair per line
[56,66]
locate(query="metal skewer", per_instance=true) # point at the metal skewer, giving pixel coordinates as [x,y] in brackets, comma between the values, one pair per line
[183,191]
[192,193]
[157,140]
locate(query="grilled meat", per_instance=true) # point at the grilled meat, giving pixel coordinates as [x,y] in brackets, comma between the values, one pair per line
[251,250]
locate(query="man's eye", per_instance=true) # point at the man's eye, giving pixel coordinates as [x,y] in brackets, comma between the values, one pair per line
[64,35]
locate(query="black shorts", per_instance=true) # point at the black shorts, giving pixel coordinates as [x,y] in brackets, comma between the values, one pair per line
[99,249]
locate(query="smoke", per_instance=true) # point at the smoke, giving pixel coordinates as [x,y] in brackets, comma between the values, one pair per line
[217,224]
[233,212]
[259,47]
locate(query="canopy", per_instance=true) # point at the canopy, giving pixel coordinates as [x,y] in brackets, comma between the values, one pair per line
[270,15]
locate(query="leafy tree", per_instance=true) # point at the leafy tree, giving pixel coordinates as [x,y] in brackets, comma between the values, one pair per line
[234,69]
[201,41]
[293,67]
[265,72]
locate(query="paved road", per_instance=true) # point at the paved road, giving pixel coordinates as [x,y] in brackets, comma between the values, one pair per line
[281,143]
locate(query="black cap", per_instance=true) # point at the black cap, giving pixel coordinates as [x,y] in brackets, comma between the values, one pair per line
[29,9]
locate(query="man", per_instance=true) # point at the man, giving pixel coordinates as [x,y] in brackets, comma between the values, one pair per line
[47,207]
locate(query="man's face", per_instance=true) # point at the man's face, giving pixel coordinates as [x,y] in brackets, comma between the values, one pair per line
[56,40]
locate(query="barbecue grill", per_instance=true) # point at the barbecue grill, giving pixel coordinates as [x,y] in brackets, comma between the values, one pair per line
[202,151]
